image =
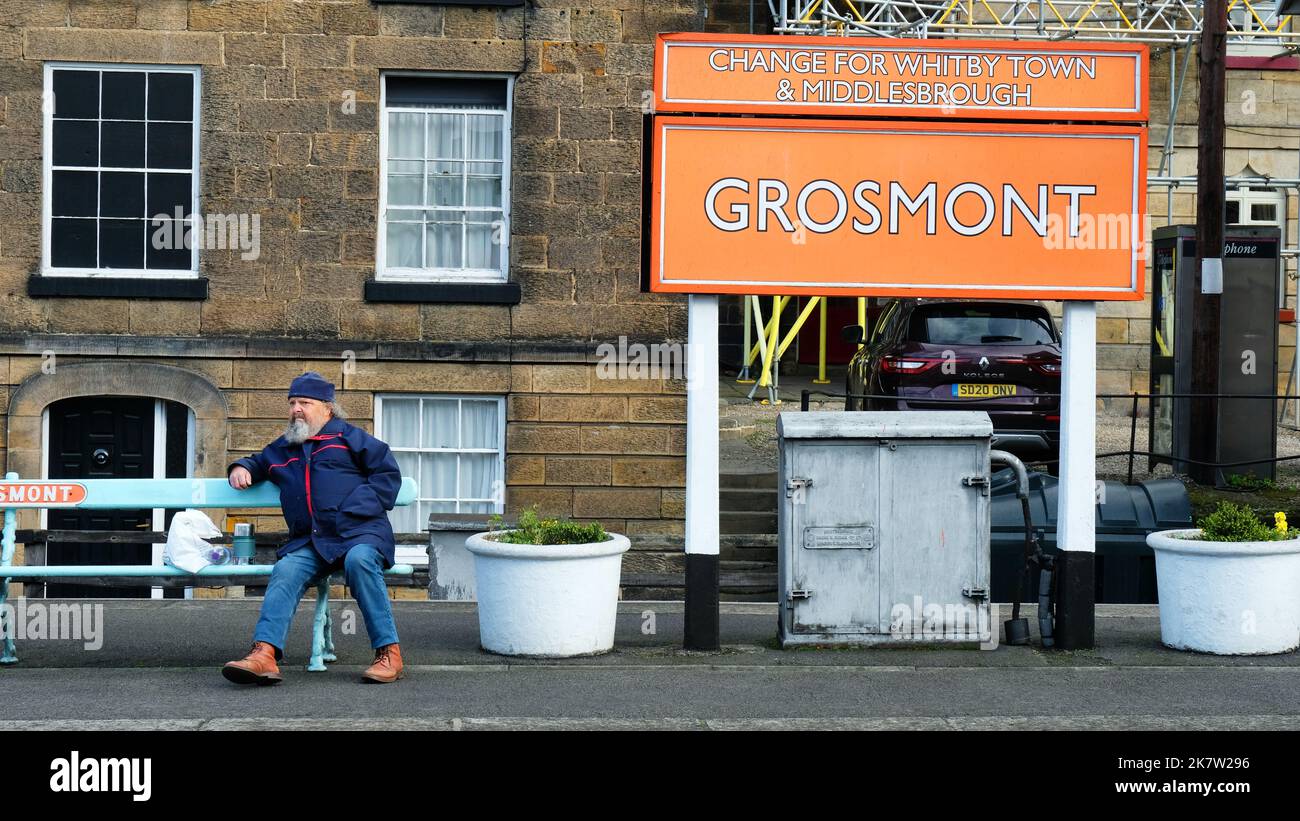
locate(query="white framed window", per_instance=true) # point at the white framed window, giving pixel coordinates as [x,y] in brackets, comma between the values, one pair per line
[444,188]
[453,445]
[1244,205]
[120,165]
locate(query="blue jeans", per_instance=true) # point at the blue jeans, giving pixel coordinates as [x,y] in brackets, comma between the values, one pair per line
[363,566]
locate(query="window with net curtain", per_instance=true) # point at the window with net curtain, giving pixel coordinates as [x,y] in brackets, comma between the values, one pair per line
[445,177]
[452,446]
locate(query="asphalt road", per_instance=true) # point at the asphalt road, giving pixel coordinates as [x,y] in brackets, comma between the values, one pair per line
[158,668]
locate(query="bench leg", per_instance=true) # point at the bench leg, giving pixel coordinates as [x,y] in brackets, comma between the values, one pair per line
[320,624]
[7,628]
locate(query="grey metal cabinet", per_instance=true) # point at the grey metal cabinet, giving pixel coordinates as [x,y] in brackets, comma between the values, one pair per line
[884,527]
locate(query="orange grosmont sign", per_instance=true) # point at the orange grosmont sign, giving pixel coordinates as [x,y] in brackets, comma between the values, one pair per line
[843,208]
[825,76]
[41,494]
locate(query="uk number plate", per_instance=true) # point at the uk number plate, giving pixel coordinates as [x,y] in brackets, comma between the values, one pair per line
[968,390]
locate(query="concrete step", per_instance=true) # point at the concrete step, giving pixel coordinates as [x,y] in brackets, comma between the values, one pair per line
[735,500]
[755,480]
[747,522]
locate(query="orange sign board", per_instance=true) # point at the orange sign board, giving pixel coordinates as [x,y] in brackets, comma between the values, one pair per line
[820,76]
[41,494]
[833,207]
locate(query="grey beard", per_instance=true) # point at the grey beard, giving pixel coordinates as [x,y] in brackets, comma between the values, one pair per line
[298,431]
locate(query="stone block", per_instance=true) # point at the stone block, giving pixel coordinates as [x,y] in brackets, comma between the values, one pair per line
[560,379]
[624,439]
[525,470]
[538,438]
[173,47]
[621,503]
[584,409]
[668,472]
[577,470]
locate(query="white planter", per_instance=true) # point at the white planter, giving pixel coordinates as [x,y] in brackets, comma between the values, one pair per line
[547,600]
[1230,598]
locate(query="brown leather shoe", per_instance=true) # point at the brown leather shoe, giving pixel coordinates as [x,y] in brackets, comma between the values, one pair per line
[387,667]
[258,667]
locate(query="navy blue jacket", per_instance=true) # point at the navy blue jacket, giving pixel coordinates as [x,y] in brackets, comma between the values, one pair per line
[335,489]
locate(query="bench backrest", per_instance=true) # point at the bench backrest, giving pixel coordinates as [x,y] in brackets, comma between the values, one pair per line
[127,494]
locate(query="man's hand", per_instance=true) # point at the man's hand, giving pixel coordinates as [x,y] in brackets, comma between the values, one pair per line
[240,478]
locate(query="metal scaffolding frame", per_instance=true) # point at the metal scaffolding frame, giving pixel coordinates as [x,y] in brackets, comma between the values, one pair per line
[1151,21]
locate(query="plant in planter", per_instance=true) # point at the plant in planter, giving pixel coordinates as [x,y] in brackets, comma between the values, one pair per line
[547,587]
[1232,586]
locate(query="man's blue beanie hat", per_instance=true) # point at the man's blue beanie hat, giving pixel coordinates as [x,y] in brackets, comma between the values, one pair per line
[313,386]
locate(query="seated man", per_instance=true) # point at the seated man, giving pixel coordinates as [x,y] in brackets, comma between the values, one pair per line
[336,483]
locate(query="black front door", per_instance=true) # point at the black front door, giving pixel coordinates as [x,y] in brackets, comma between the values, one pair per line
[100,438]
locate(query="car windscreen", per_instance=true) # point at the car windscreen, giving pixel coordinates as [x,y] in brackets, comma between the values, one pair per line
[980,325]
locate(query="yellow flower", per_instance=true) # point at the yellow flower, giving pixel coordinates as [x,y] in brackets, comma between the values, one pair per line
[1279,521]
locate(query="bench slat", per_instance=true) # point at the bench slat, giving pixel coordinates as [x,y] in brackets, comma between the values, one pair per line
[127,494]
[156,570]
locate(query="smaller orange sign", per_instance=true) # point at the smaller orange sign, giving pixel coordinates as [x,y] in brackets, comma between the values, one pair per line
[41,494]
[783,75]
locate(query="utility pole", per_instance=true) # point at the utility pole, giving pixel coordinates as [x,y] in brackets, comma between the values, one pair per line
[1209,239]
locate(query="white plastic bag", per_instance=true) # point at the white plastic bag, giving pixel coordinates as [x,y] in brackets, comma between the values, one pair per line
[185,546]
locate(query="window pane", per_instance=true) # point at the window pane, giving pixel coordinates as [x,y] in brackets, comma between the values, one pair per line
[479,420]
[76,142]
[171,96]
[438,475]
[440,423]
[445,136]
[75,194]
[401,420]
[409,464]
[478,507]
[406,519]
[445,183]
[169,145]
[72,243]
[477,473]
[166,248]
[123,145]
[123,195]
[123,95]
[405,135]
[404,182]
[76,93]
[402,245]
[1231,212]
[440,507]
[481,249]
[443,241]
[121,243]
[485,136]
[1263,212]
[167,192]
[484,185]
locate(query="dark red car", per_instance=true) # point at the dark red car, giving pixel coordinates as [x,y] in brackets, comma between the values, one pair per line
[999,357]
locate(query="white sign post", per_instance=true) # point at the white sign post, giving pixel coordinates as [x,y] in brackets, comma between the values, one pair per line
[1076,524]
[701,629]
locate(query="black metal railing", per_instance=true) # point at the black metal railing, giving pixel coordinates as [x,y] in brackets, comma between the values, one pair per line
[1131,453]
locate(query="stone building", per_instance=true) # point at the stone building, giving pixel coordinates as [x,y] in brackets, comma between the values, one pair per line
[437,206]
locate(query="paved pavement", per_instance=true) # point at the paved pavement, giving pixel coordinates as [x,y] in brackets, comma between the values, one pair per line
[158,666]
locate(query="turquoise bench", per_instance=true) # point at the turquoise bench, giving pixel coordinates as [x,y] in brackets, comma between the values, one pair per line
[129,494]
